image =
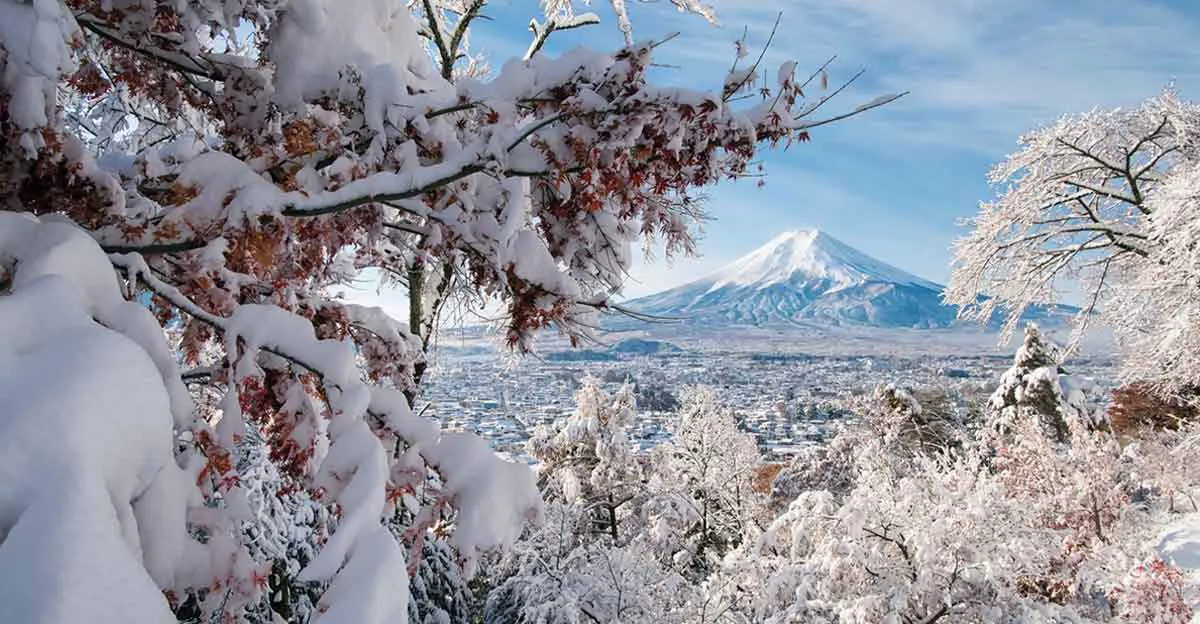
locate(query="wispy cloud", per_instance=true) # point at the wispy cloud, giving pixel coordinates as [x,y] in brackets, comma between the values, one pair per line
[894,182]
[978,74]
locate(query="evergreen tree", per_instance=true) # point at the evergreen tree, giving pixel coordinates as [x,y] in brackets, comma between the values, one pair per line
[1030,389]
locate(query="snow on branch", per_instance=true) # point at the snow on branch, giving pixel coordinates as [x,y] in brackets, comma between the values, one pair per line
[243,160]
[94,501]
[572,126]
[542,32]
[1074,204]
[492,497]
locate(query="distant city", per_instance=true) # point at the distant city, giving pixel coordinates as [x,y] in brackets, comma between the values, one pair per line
[787,398]
[789,335]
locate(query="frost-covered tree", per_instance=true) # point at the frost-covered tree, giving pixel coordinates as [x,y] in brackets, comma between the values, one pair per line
[1154,593]
[1036,388]
[1073,203]
[1106,201]
[1158,305]
[588,459]
[700,494]
[1079,491]
[233,164]
[684,504]
[889,423]
[564,573]
[911,425]
[589,556]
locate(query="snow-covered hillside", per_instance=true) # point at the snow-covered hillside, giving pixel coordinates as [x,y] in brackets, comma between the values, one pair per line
[811,254]
[805,277]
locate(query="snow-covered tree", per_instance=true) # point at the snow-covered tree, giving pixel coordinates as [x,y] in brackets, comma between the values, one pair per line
[588,558]
[1036,388]
[1105,201]
[588,459]
[565,573]
[440,592]
[1158,306]
[347,137]
[701,494]
[284,530]
[1073,203]
[235,163]
[889,424]
[1029,389]
[683,505]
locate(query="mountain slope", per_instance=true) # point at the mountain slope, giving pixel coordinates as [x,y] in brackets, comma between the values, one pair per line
[810,255]
[807,277]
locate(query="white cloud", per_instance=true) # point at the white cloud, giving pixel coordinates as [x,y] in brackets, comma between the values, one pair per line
[979,73]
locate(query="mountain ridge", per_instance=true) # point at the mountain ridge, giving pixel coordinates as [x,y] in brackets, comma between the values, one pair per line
[816,253]
[804,277]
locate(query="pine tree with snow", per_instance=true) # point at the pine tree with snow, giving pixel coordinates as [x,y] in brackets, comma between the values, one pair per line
[284,529]
[440,592]
[1030,389]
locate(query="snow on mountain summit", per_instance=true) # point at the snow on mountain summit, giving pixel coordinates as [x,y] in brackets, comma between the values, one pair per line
[805,276]
[811,254]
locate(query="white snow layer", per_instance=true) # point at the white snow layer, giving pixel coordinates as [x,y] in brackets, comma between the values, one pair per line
[91,515]
[811,254]
[1179,543]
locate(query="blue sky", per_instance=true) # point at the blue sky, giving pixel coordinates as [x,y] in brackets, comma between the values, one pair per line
[895,182]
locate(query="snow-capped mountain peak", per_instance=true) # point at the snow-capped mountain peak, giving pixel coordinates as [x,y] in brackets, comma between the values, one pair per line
[805,255]
[805,276]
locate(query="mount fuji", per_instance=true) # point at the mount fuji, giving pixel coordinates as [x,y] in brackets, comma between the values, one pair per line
[808,277]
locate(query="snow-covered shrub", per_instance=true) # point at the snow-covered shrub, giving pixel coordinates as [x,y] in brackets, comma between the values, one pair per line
[700,492]
[1014,528]
[890,423]
[1153,594]
[1137,407]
